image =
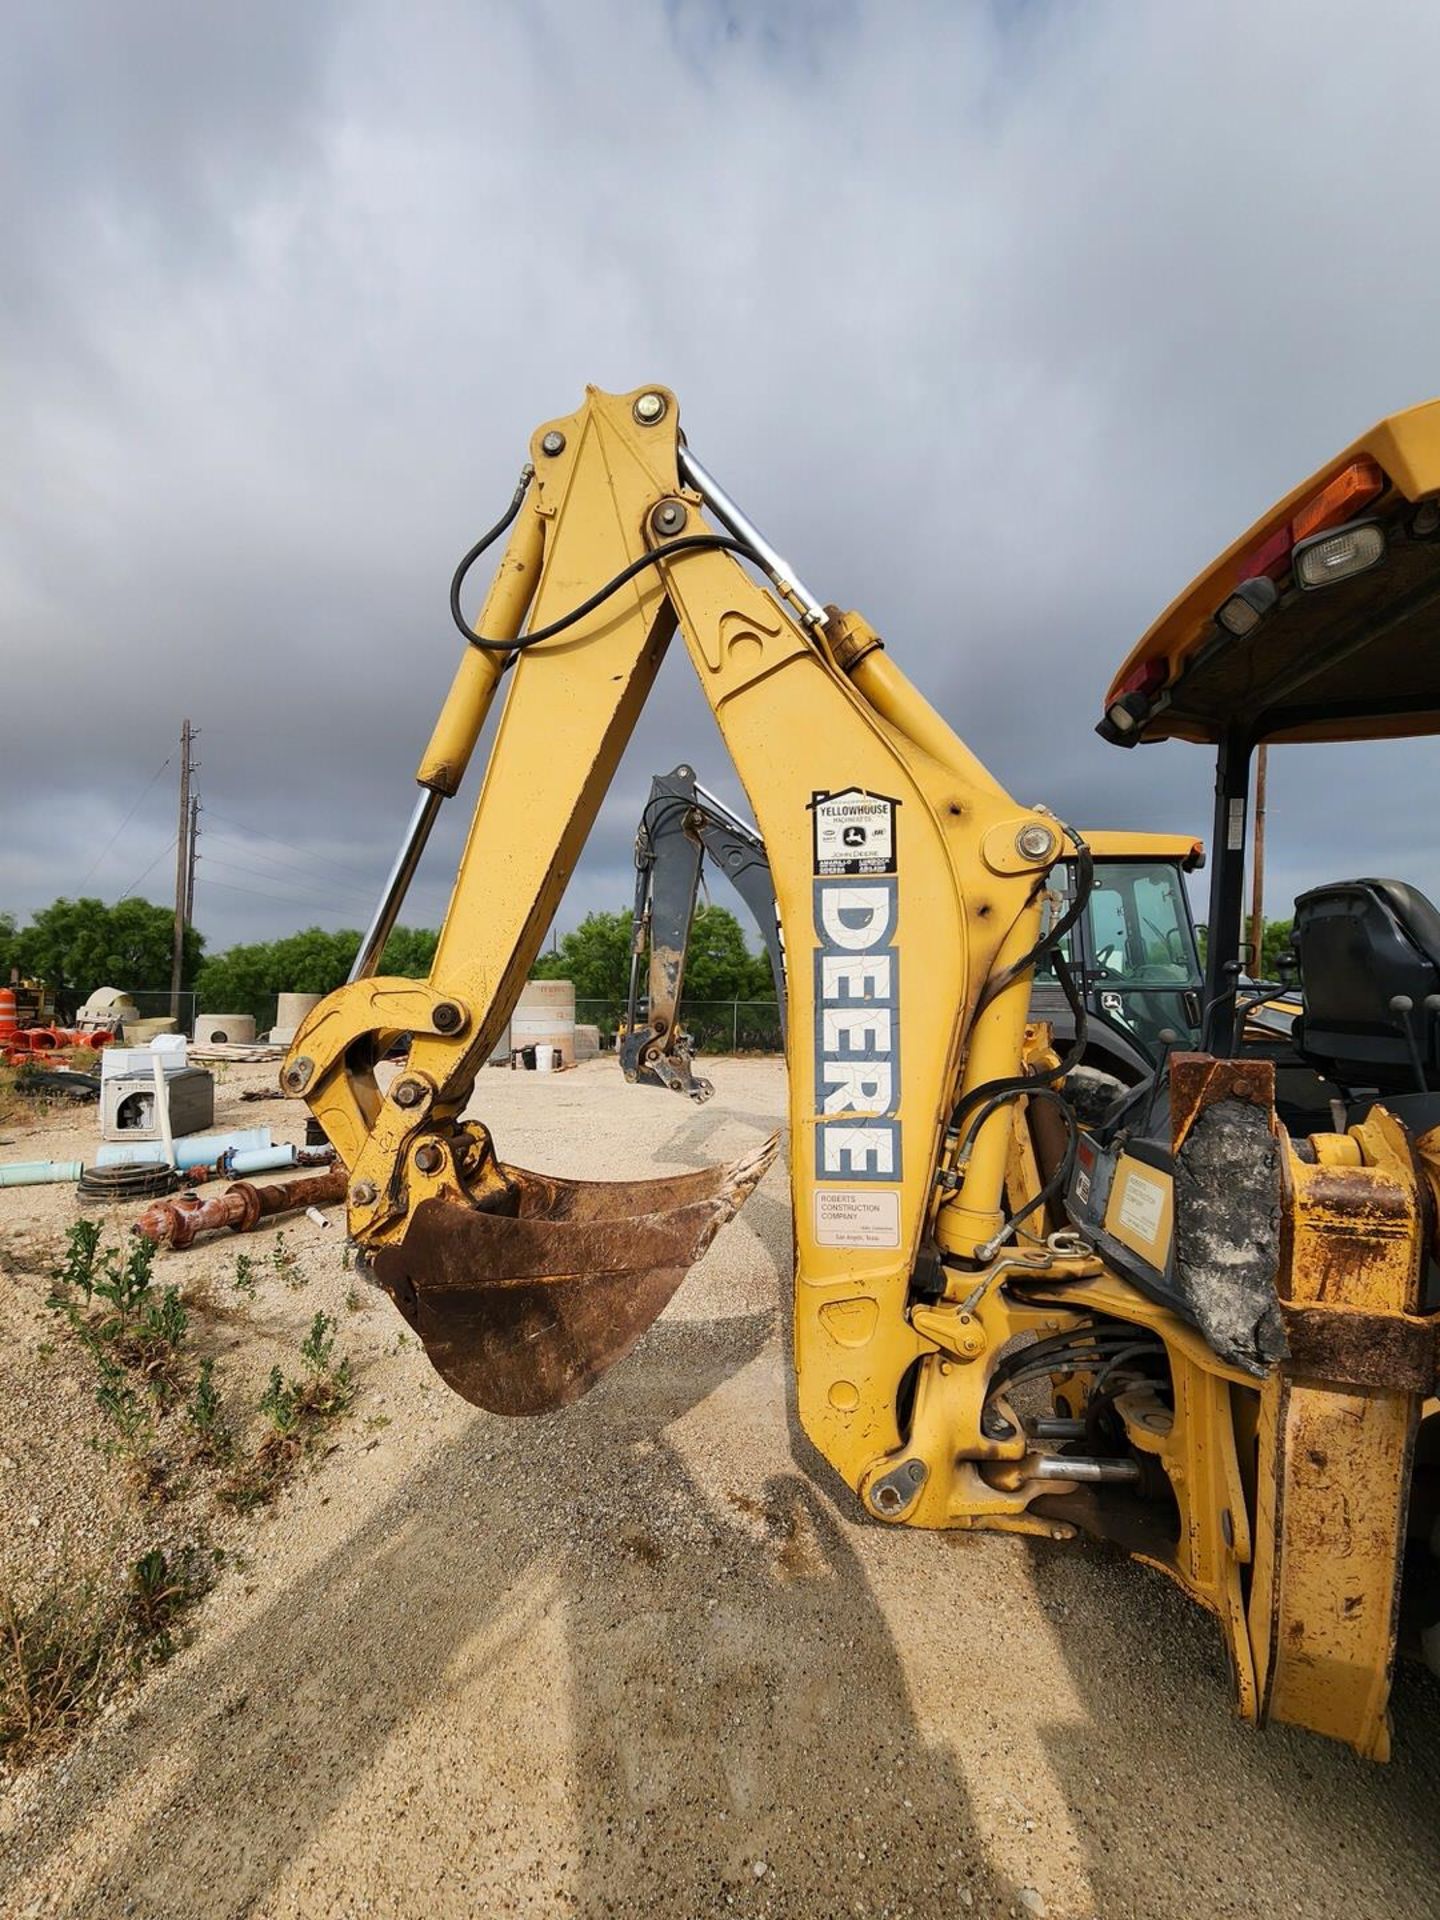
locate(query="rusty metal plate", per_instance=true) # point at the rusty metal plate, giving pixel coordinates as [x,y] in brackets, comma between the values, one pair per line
[1350,1347]
[522,1312]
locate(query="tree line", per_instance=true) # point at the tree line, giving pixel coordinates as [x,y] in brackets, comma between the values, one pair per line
[76,946]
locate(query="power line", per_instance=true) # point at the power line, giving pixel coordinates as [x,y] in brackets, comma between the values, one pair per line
[272,893]
[316,860]
[96,863]
[168,846]
[227,886]
[254,833]
[283,877]
[336,885]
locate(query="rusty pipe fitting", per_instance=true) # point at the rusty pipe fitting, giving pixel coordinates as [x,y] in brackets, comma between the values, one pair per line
[179,1223]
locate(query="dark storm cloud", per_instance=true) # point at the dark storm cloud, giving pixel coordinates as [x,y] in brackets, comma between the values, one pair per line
[1000,322]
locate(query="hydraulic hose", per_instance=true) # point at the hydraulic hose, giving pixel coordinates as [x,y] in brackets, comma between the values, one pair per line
[671,549]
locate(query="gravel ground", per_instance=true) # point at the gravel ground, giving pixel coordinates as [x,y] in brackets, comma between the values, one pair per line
[645,1657]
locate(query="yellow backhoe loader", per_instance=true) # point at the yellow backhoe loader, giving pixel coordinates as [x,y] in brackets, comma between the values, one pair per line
[1181,1331]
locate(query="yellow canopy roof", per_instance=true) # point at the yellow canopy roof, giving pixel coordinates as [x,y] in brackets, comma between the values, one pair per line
[1355,660]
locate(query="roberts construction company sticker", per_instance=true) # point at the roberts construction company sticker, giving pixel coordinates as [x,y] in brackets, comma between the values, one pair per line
[854,832]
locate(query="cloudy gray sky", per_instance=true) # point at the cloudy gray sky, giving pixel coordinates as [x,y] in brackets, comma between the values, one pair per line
[1000,319]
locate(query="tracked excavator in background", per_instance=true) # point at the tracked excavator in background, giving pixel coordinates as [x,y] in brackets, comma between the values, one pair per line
[1185,1332]
[680,825]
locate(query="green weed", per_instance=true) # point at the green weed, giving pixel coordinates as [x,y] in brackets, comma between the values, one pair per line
[214,1441]
[286,1262]
[67,1651]
[296,1411]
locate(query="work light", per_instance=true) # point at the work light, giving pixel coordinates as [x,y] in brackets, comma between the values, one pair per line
[1337,556]
[1248,606]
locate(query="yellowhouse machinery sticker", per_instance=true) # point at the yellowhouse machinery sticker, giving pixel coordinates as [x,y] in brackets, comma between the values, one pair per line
[854,831]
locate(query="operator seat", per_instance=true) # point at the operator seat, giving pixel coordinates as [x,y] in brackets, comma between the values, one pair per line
[1361,943]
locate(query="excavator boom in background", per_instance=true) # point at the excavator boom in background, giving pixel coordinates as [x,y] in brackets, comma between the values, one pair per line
[1181,1331]
[680,825]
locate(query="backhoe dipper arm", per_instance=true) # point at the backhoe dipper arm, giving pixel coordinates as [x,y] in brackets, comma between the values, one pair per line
[906,879]
[680,824]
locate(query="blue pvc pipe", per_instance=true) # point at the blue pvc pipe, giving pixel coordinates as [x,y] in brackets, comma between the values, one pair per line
[261,1160]
[34,1173]
[198,1150]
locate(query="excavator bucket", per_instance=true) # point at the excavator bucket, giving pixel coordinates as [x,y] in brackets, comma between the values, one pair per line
[522,1311]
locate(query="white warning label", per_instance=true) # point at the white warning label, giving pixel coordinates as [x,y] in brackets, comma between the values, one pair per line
[850,1217]
[1141,1206]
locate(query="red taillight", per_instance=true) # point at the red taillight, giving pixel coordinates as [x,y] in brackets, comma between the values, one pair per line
[1271,557]
[1339,499]
[1145,679]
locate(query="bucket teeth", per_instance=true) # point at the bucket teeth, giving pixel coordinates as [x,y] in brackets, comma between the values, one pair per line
[522,1312]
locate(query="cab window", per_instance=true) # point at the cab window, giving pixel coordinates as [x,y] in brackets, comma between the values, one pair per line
[1138,925]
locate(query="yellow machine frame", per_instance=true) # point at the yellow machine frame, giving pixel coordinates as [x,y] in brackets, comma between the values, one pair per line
[913,968]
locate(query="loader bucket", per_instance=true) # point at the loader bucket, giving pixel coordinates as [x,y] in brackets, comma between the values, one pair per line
[522,1312]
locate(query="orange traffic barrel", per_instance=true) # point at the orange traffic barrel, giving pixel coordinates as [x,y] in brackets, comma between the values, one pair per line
[8,1021]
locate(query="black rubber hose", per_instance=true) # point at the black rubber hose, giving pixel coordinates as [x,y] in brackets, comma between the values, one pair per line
[688,543]
[487,540]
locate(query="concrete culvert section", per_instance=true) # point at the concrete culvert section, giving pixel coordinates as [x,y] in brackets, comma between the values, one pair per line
[220,1029]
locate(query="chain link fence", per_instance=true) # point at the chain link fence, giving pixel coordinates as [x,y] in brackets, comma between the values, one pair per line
[716,1026]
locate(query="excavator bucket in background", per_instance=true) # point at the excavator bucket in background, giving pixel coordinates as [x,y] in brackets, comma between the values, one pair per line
[522,1311]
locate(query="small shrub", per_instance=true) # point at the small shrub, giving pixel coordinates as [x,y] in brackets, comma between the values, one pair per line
[76,1273]
[160,1590]
[56,1658]
[214,1442]
[124,1410]
[317,1349]
[125,1275]
[151,1347]
[280,1402]
[243,1279]
[286,1263]
[296,1410]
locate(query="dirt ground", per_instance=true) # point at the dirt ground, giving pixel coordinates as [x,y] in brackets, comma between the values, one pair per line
[644,1657]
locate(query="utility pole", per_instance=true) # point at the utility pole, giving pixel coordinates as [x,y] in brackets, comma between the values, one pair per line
[190,871]
[1257,889]
[182,870]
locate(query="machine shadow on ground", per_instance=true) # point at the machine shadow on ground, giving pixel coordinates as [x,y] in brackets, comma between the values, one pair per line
[723,1671]
[1286,1816]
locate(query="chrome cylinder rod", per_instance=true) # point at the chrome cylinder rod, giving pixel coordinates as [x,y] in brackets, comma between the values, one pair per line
[382,923]
[732,820]
[735,521]
[1058,1466]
